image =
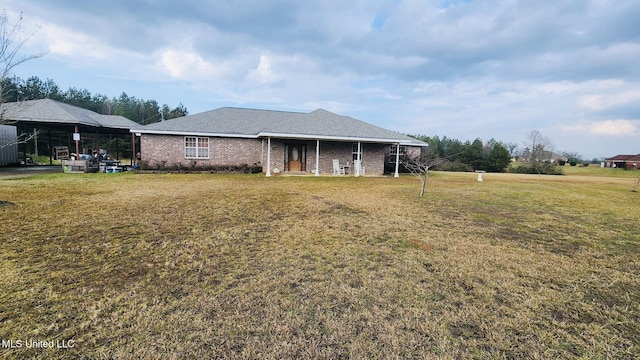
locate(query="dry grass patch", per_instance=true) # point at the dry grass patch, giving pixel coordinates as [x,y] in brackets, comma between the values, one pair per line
[174,266]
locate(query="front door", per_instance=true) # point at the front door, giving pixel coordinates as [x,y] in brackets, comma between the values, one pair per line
[296,157]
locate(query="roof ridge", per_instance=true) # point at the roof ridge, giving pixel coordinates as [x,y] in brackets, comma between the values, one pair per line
[65,108]
[254,109]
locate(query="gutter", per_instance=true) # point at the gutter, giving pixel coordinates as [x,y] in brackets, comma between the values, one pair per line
[340,138]
[285,136]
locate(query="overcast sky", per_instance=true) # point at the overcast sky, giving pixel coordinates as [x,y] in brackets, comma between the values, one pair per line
[462,69]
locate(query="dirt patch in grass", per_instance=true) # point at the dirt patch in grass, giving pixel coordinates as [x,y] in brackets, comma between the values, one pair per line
[243,266]
[6,203]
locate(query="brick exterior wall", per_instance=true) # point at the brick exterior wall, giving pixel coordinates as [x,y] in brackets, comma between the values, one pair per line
[373,156]
[169,150]
[156,149]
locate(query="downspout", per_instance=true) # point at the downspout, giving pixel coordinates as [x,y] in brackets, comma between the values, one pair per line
[397,160]
[317,157]
[268,156]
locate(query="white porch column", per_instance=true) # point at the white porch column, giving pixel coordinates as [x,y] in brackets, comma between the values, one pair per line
[269,156]
[397,160]
[359,158]
[317,157]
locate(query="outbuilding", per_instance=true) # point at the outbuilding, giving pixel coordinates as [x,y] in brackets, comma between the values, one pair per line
[61,126]
[8,145]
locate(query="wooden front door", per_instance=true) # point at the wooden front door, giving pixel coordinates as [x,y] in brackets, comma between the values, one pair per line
[296,154]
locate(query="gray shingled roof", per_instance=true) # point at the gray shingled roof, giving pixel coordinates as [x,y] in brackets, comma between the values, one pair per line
[253,123]
[55,112]
[624,157]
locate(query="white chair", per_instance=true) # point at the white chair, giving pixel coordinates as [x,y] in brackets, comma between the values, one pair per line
[337,168]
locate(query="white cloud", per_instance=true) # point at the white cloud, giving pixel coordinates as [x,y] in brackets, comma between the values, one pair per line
[263,74]
[604,101]
[614,127]
[572,88]
[617,127]
[177,63]
[191,66]
[70,43]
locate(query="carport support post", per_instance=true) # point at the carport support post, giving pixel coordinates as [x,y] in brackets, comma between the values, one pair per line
[317,157]
[50,149]
[117,149]
[397,160]
[133,147]
[268,156]
[35,141]
[77,139]
[97,143]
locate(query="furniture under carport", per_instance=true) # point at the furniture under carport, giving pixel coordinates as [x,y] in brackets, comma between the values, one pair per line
[66,126]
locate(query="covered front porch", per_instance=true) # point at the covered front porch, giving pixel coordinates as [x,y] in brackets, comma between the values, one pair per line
[321,156]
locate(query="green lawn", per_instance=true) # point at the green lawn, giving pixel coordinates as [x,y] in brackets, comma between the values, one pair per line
[598,171]
[244,266]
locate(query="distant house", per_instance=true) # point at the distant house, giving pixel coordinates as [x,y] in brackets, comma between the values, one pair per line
[277,141]
[623,161]
[557,158]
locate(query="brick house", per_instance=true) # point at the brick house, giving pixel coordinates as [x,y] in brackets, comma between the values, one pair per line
[277,141]
[629,162]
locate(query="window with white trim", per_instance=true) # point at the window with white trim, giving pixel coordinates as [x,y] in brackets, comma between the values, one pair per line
[393,151]
[196,147]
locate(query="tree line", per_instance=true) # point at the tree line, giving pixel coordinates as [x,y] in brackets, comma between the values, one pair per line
[455,155]
[537,157]
[142,111]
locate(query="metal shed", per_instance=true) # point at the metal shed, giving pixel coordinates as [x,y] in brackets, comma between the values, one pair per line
[8,145]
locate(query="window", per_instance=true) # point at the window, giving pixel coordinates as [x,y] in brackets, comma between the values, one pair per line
[393,151]
[196,147]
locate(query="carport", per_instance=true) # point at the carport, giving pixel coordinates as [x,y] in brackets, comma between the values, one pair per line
[59,126]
